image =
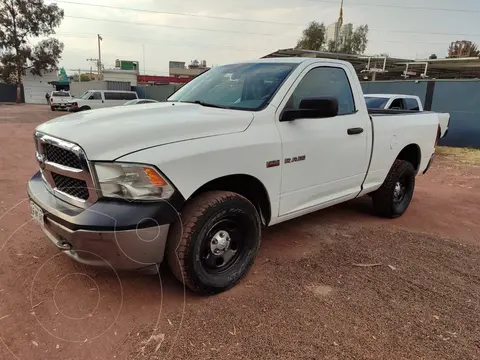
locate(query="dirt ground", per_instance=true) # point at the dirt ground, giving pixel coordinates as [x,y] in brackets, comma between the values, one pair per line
[308,296]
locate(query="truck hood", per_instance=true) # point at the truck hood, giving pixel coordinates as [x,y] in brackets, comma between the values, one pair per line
[107,134]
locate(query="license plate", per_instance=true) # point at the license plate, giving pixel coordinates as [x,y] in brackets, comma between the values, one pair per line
[37,213]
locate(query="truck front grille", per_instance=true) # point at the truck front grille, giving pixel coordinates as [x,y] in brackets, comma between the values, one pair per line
[73,187]
[61,156]
[65,169]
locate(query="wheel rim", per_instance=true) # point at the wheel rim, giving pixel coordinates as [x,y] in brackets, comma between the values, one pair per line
[223,245]
[401,190]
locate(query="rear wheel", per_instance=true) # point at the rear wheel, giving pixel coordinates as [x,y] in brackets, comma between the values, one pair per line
[395,195]
[216,242]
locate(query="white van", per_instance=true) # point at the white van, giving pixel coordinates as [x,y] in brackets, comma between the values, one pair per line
[97,99]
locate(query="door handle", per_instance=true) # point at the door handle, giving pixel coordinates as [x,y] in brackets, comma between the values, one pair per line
[354,131]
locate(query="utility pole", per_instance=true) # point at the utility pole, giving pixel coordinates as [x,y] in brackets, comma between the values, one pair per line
[99,38]
[91,72]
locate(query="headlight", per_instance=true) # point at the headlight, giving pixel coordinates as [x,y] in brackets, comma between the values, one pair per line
[132,182]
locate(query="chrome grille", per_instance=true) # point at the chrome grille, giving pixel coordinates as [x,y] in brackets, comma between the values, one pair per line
[66,170]
[61,156]
[73,187]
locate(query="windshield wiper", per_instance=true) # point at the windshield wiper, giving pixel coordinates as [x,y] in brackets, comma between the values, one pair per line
[202,103]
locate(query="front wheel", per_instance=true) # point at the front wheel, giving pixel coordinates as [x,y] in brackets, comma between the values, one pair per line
[395,194]
[215,243]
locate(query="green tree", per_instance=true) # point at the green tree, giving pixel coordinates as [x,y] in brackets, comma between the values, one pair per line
[433,57]
[21,20]
[83,78]
[356,43]
[313,37]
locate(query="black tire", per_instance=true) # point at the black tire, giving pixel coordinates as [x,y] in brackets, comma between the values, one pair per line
[204,218]
[84,108]
[396,193]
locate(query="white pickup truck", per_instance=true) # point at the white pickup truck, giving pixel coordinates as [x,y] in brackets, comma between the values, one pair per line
[240,146]
[59,100]
[402,103]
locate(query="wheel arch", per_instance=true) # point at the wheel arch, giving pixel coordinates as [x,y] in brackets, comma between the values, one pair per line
[246,185]
[413,154]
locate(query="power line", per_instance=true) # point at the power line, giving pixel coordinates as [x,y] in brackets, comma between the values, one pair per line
[177,13]
[169,26]
[147,40]
[399,6]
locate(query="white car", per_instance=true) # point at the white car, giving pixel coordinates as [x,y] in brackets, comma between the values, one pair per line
[194,179]
[404,103]
[97,99]
[59,100]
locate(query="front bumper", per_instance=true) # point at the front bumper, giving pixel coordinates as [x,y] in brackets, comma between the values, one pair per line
[121,234]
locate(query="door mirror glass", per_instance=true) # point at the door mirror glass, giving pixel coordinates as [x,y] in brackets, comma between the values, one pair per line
[91,97]
[312,108]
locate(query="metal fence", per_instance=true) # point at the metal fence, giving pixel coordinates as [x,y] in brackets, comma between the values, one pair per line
[158,92]
[460,98]
[8,93]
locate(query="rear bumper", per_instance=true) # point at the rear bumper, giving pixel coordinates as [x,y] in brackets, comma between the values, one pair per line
[119,234]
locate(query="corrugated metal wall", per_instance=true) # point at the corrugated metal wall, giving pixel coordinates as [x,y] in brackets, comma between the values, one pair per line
[159,92]
[119,85]
[460,98]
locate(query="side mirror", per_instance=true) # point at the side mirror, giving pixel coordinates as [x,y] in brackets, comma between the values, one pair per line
[312,108]
[91,97]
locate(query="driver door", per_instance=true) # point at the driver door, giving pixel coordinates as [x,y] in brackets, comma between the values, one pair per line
[95,101]
[323,159]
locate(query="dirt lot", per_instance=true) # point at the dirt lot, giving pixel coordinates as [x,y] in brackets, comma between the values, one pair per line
[305,298]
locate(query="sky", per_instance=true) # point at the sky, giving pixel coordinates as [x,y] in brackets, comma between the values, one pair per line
[398,31]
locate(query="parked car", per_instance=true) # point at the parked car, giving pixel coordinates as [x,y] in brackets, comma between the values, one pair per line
[97,99]
[238,147]
[402,103]
[59,100]
[140,101]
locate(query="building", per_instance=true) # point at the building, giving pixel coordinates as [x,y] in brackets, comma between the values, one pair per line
[345,33]
[117,75]
[35,87]
[151,80]
[331,32]
[179,70]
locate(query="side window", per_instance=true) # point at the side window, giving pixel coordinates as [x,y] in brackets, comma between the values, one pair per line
[110,96]
[324,82]
[129,96]
[96,96]
[397,104]
[412,104]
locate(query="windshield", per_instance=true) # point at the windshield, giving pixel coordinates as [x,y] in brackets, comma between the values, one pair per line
[61,94]
[237,86]
[85,95]
[376,102]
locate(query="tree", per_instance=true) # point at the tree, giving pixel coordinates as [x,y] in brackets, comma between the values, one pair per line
[83,77]
[463,49]
[433,57]
[21,20]
[356,43]
[313,37]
